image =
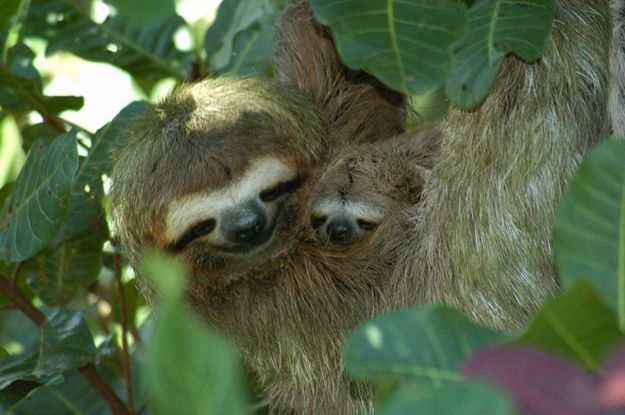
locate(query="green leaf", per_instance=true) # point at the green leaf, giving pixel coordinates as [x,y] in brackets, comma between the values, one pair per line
[407,44]
[236,19]
[577,325]
[58,274]
[145,51]
[475,398]
[65,343]
[590,226]
[8,9]
[142,12]
[497,28]
[427,343]
[190,368]
[21,86]
[20,391]
[3,353]
[76,395]
[85,203]
[35,210]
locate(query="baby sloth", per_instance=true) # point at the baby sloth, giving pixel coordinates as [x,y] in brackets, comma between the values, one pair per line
[368,184]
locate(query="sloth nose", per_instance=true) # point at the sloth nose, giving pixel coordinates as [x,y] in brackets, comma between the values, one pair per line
[340,232]
[246,226]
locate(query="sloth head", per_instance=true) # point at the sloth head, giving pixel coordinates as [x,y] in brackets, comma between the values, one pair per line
[217,173]
[367,184]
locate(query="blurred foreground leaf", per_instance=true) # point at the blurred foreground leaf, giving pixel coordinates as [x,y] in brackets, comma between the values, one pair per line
[475,398]
[590,226]
[190,368]
[427,343]
[577,325]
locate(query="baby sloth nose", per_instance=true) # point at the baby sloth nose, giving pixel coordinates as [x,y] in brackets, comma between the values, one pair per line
[341,232]
[245,225]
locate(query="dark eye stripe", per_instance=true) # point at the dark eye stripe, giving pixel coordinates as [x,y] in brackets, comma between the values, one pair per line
[203,228]
[282,188]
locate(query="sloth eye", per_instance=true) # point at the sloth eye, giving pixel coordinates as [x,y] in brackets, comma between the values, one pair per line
[318,221]
[200,229]
[365,225]
[281,188]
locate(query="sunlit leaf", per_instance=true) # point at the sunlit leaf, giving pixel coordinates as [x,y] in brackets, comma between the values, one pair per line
[21,86]
[240,38]
[34,212]
[590,226]
[145,51]
[497,28]
[427,343]
[577,325]
[407,44]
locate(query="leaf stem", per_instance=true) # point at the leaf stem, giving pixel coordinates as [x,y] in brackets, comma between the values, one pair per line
[21,302]
[123,319]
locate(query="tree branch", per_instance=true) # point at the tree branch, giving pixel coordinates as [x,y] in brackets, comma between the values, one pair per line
[22,303]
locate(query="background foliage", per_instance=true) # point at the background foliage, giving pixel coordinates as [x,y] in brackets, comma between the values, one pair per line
[75,335]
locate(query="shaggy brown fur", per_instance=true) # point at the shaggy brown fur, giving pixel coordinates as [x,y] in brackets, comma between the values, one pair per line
[482,237]
[617,68]
[358,106]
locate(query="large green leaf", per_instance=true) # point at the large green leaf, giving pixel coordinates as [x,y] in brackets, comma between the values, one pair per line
[407,44]
[475,398]
[65,343]
[239,40]
[577,325]
[427,343]
[35,210]
[145,51]
[85,203]
[497,28]
[191,369]
[58,274]
[590,226]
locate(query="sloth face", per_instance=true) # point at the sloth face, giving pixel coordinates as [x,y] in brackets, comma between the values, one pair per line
[340,221]
[216,173]
[238,219]
[361,188]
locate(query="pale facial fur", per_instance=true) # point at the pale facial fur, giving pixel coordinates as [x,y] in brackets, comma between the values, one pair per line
[261,175]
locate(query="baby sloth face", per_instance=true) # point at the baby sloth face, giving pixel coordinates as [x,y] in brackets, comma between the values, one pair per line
[361,188]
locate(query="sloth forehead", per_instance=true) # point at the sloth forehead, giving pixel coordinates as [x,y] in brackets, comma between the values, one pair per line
[336,207]
[259,175]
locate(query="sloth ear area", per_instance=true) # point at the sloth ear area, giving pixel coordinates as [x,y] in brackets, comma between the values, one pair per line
[410,185]
[356,106]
